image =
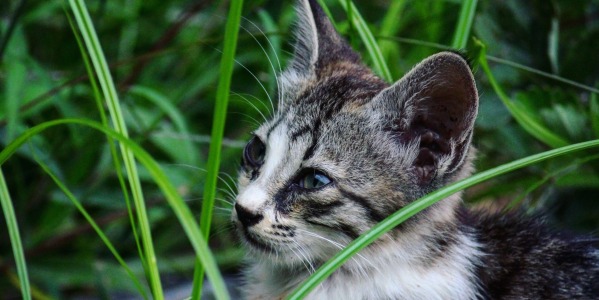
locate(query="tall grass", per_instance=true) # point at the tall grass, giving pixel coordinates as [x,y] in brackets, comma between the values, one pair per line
[15,238]
[218,124]
[109,91]
[181,210]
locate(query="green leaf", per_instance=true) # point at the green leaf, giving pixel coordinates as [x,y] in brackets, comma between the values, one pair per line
[380,66]
[94,225]
[15,238]
[108,89]
[522,116]
[553,45]
[186,218]
[462,31]
[189,154]
[595,113]
[218,127]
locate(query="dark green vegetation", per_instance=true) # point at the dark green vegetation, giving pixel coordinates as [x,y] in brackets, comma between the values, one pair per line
[165,59]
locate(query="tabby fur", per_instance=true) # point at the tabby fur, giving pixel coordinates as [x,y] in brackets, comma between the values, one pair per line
[383,146]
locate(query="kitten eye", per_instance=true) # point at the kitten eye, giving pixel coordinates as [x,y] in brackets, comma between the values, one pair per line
[313,179]
[254,152]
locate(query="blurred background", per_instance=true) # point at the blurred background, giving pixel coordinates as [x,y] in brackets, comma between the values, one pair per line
[164,57]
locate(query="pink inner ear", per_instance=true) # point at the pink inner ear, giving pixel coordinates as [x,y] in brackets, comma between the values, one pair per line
[435,104]
[444,116]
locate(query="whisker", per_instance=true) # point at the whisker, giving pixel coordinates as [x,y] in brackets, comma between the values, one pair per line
[280,87]
[253,75]
[255,124]
[223,180]
[254,97]
[223,209]
[221,230]
[229,187]
[267,39]
[301,258]
[227,192]
[266,54]
[230,177]
[306,255]
[341,247]
[250,103]
[230,204]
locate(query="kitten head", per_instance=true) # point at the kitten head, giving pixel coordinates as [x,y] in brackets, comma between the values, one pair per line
[345,149]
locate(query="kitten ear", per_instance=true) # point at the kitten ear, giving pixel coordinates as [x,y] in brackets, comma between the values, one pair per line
[318,44]
[433,106]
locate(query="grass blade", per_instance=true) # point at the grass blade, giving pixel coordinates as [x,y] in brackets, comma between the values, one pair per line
[111,145]
[462,32]
[173,114]
[506,62]
[15,238]
[104,77]
[389,27]
[595,114]
[218,126]
[553,45]
[528,123]
[16,74]
[182,212]
[380,66]
[413,208]
[93,224]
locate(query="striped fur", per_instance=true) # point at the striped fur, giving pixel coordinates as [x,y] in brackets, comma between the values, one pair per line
[383,146]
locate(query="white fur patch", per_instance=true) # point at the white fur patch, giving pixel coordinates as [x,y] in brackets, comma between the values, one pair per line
[253,197]
[394,269]
[276,151]
[256,194]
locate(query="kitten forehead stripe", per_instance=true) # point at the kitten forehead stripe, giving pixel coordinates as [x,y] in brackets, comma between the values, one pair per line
[301,131]
[315,137]
[274,125]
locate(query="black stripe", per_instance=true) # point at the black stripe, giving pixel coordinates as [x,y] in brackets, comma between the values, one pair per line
[315,209]
[274,125]
[303,130]
[362,202]
[310,151]
[345,228]
[315,137]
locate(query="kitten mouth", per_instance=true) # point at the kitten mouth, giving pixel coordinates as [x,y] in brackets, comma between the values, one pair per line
[257,244]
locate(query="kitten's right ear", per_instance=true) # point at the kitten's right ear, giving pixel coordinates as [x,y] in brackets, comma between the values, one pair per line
[434,106]
[318,44]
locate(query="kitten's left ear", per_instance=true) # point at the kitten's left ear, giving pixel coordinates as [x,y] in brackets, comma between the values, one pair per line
[433,106]
[318,44]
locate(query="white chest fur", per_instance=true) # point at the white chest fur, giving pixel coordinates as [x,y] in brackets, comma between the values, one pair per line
[388,273]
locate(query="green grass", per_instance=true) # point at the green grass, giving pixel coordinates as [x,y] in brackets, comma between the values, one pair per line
[15,238]
[182,212]
[109,92]
[462,31]
[218,124]
[160,73]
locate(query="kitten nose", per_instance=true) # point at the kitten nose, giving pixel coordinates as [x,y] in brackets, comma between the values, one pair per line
[247,217]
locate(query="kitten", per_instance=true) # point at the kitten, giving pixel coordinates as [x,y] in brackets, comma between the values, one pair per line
[345,150]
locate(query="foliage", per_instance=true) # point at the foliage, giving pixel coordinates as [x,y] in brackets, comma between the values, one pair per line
[165,57]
